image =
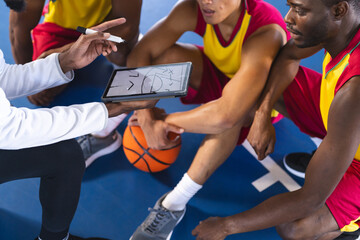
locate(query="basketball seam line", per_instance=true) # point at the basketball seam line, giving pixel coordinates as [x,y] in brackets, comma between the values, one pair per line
[146,150]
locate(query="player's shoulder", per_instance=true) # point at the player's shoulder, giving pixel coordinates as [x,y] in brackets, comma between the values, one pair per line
[260,7]
[353,86]
[183,15]
[265,18]
[188,8]
[348,96]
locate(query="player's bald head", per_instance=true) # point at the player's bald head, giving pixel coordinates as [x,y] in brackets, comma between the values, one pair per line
[16,5]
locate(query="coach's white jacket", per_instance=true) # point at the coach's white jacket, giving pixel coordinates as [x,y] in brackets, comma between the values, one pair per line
[23,127]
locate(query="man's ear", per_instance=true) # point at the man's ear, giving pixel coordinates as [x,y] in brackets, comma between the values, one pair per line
[340,9]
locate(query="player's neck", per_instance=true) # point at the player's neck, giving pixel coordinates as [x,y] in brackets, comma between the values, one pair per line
[227,26]
[342,39]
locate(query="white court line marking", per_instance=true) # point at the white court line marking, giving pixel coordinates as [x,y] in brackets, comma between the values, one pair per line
[276,173]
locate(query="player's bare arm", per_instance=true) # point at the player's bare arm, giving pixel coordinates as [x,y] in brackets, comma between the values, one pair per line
[129,31]
[20,26]
[330,162]
[161,37]
[242,91]
[164,34]
[262,133]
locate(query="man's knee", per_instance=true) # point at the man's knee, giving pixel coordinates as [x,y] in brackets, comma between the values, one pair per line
[70,156]
[179,52]
[170,55]
[291,231]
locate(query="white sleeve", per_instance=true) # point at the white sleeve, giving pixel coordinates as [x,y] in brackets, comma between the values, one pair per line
[23,127]
[33,77]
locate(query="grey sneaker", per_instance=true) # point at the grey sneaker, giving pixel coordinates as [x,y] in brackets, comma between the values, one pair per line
[94,147]
[159,224]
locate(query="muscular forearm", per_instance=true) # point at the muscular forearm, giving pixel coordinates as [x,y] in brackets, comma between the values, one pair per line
[131,37]
[281,75]
[129,31]
[210,118]
[20,26]
[21,48]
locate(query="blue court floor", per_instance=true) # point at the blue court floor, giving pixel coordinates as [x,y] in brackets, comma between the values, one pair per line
[115,196]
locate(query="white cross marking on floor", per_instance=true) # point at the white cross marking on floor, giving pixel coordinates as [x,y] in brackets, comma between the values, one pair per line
[276,173]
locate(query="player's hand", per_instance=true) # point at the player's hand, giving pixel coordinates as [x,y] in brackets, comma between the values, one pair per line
[89,47]
[262,135]
[117,108]
[158,133]
[211,229]
[157,113]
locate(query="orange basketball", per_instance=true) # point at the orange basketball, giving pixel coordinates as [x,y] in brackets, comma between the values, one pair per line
[144,158]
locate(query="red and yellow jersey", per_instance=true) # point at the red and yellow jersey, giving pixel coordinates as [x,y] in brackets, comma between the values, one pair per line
[70,14]
[336,72]
[226,55]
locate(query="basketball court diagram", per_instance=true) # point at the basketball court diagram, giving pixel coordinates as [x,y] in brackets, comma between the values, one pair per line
[163,78]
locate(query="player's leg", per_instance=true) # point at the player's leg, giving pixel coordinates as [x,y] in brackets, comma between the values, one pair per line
[321,225]
[170,208]
[213,151]
[181,52]
[338,218]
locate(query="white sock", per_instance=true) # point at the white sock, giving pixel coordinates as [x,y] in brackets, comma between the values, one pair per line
[177,199]
[111,125]
[316,141]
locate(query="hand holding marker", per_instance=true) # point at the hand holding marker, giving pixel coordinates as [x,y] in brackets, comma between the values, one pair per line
[90,31]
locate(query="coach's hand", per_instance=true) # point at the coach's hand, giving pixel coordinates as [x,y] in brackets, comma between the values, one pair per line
[89,47]
[117,108]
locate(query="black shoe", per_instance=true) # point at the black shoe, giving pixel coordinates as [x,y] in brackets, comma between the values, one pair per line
[349,235]
[296,163]
[72,237]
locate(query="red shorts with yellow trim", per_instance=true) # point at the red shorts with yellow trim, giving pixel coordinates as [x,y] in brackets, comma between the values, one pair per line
[48,36]
[212,83]
[302,100]
[343,203]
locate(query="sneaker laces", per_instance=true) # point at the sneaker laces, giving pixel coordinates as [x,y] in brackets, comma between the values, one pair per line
[160,215]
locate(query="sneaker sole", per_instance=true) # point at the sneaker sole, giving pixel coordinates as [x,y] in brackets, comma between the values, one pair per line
[113,147]
[168,238]
[296,173]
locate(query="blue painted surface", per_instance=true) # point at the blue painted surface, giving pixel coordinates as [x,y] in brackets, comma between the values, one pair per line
[115,196]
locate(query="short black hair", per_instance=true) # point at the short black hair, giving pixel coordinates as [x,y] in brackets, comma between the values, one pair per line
[16,5]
